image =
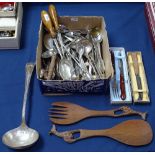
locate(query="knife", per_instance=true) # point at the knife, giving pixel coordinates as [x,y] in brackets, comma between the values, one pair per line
[136,70]
[122,83]
[113,64]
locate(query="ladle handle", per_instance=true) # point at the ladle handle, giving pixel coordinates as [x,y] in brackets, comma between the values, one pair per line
[53,14]
[29,70]
[51,67]
[48,23]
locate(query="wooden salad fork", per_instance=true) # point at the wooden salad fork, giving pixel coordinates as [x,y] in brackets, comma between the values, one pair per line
[67,113]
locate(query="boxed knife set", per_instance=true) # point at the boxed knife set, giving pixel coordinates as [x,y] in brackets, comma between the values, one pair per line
[120,90]
[10,25]
[129,81]
[140,91]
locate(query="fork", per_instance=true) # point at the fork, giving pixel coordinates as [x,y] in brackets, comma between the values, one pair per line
[68,113]
[115,88]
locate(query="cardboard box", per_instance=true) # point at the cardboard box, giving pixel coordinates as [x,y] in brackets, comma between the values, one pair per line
[51,87]
[12,42]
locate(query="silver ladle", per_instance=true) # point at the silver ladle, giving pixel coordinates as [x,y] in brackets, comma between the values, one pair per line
[22,136]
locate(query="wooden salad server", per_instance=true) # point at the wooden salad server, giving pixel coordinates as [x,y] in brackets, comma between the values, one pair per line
[67,113]
[131,132]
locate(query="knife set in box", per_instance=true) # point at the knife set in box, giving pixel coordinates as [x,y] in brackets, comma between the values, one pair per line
[129,80]
[139,85]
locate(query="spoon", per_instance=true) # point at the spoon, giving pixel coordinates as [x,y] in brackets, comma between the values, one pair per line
[97,37]
[85,43]
[85,75]
[131,132]
[48,41]
[47,54]
[66,69]
[22,136]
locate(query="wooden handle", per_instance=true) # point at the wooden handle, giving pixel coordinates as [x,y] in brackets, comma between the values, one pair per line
[53,14]
[47,22]
[122,87]
[135,63]
[51,67]
[118,112]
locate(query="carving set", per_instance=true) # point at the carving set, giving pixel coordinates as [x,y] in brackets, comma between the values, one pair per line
[77,55]
[129,80]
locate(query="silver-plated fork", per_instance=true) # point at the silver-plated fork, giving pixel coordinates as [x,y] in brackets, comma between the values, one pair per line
[115,89]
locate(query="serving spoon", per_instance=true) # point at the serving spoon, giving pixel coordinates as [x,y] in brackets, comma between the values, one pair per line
[131,132]
[22,136]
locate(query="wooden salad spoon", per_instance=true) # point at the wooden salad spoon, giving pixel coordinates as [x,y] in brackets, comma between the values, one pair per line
[131,132]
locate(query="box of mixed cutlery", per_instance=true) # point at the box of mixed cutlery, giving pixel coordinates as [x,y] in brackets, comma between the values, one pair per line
[140,91]
[120,90]
[8,9]
[10,30]
[129,81]
[74,56]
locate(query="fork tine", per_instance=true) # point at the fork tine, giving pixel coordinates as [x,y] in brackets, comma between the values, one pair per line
[58,112]
[61,104]
[57,121]
[57,109]
[57,116]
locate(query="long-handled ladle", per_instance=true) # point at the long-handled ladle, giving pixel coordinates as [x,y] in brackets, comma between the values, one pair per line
[22,136]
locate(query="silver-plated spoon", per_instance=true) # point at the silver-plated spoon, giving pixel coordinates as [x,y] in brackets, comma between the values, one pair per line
[22,136]
[97,37]
[47,54]
[48,41]
[66,69]
[85,43]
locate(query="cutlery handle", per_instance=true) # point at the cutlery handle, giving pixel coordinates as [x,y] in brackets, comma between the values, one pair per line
[135,63]
[47,23]
[53,14]
[113,60]
[118,112]
[122,87]
[51,67]
[29,70]
[68,136]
